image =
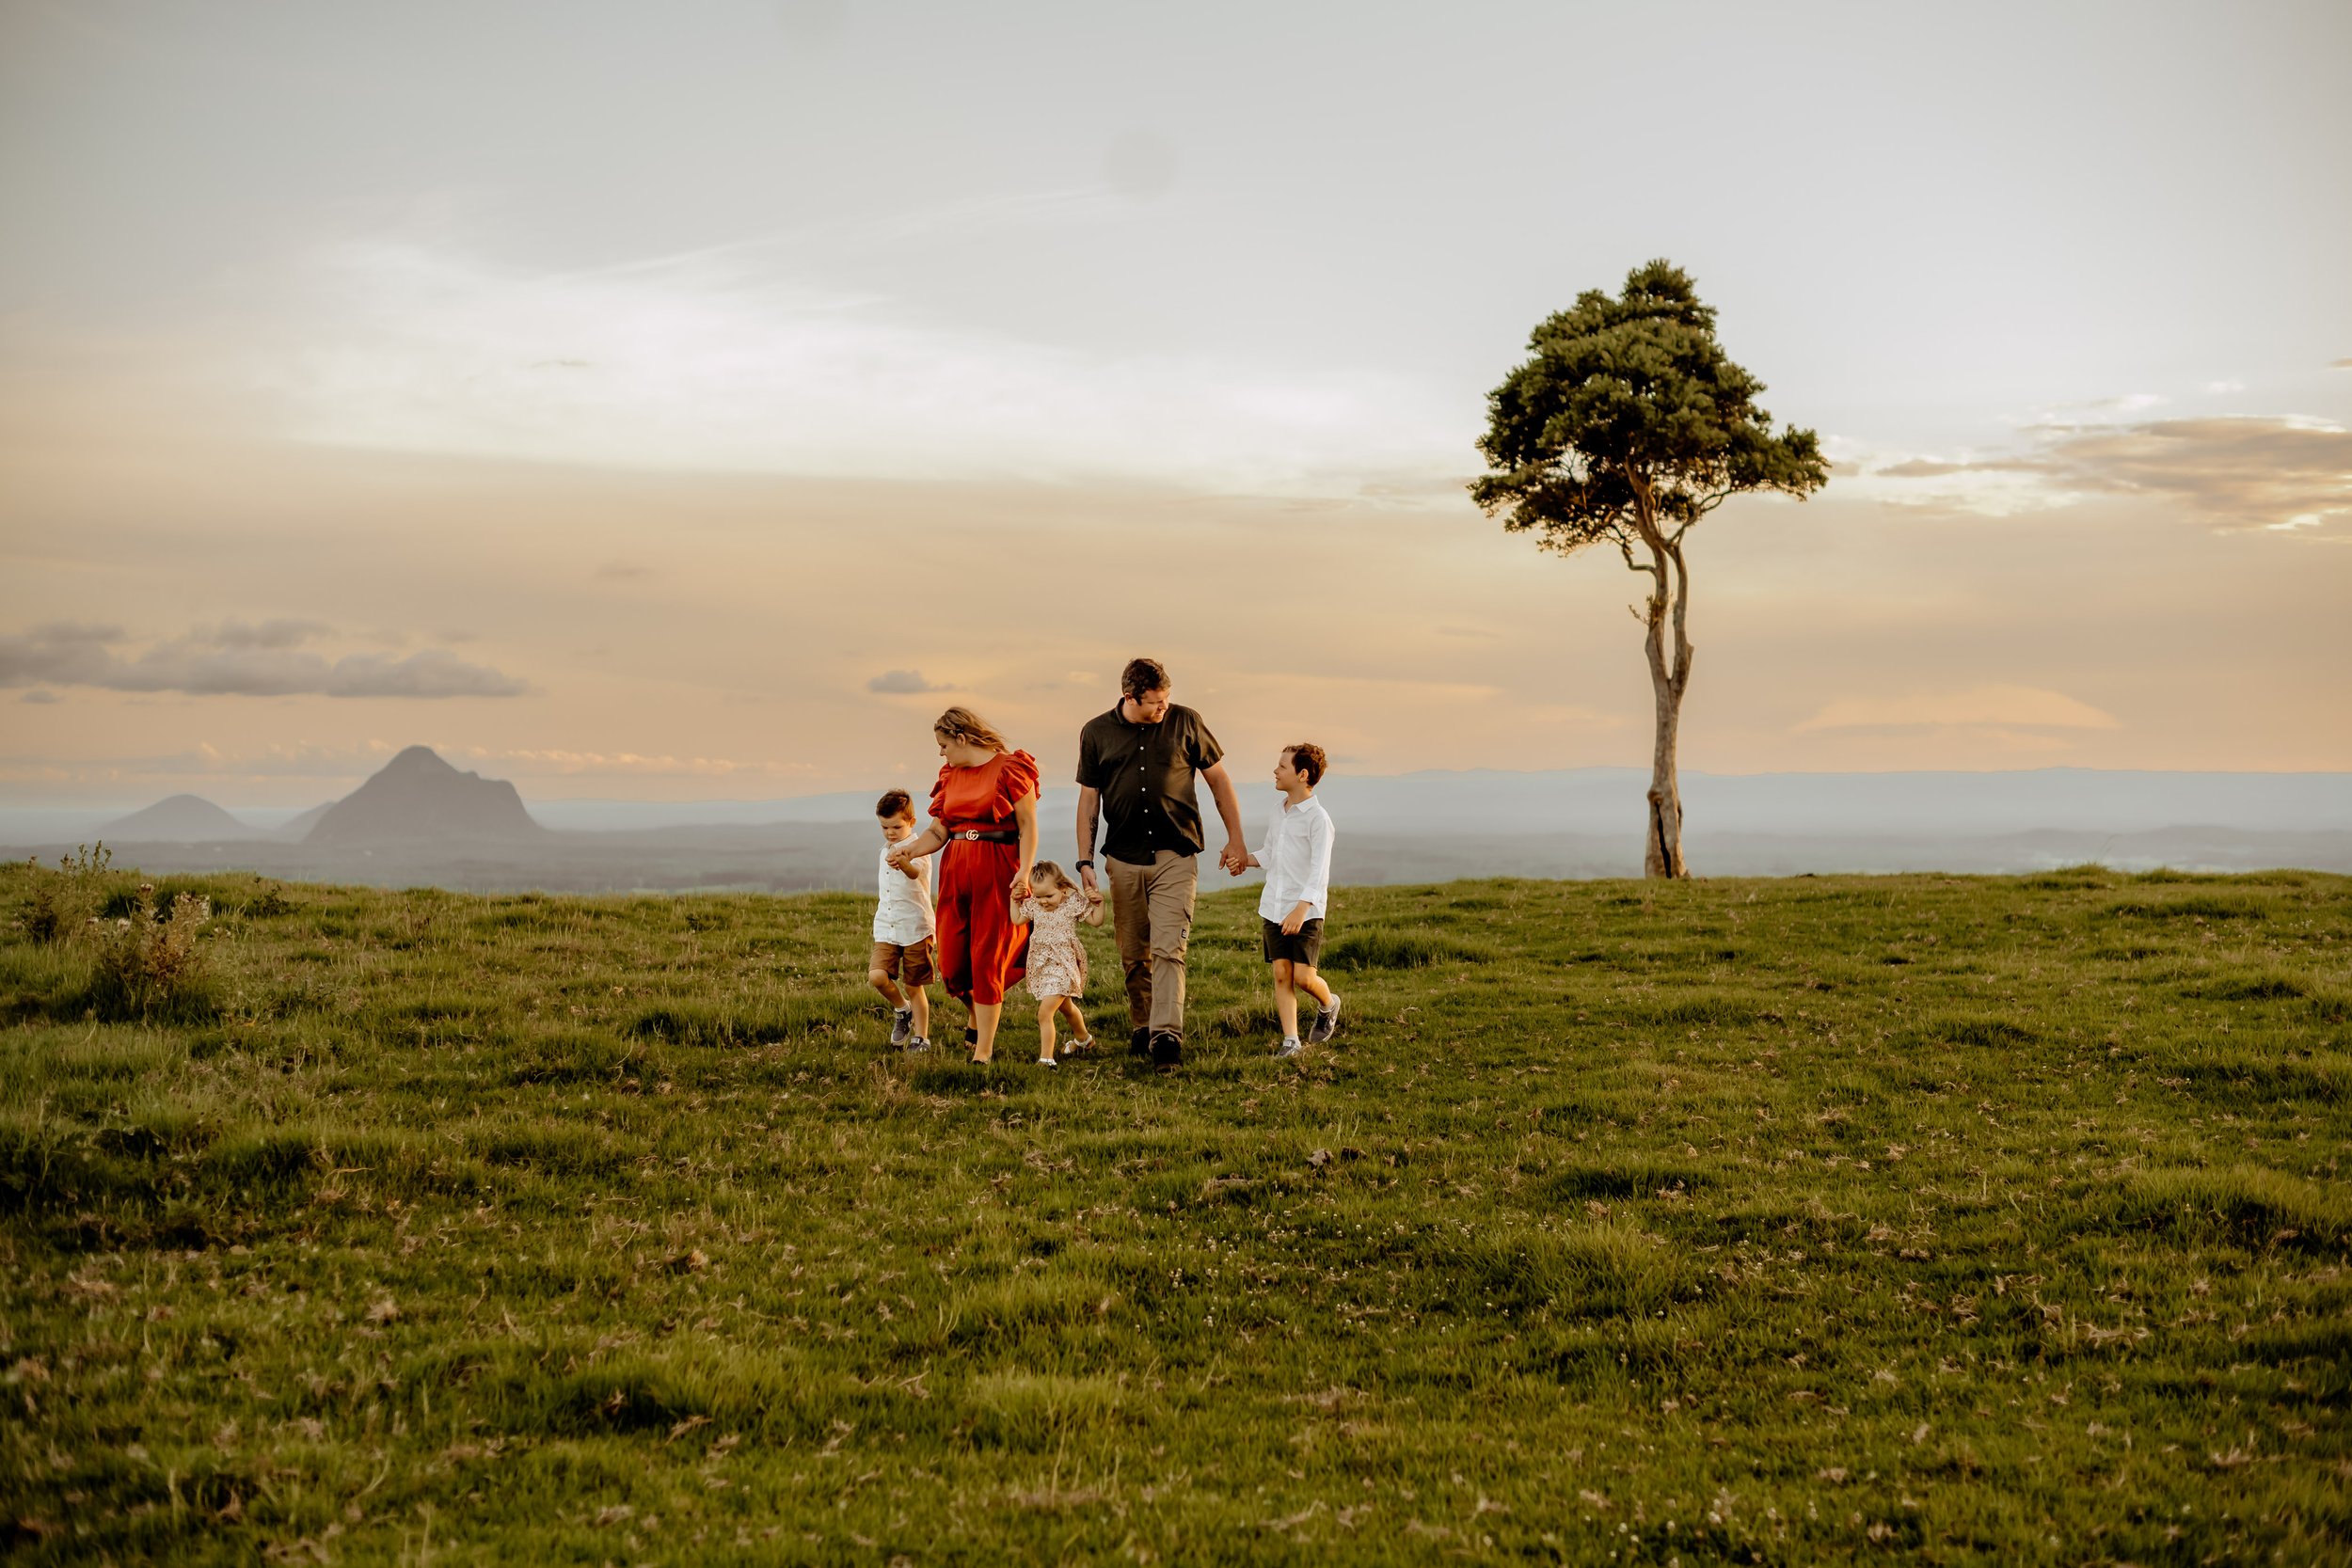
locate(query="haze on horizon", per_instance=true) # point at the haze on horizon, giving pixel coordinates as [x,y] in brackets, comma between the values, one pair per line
[685,403]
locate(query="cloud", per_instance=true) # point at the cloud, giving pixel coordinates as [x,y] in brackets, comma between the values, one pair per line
[903,683]
[2239,471]
[268,634]
[722,361]
[816,24]
[301,760]
[2340,365]
[1925,468]
[238,660]
[2277,473]
[2127,403]
[569,762]
[2008,707]
[1139,163]
[38,696]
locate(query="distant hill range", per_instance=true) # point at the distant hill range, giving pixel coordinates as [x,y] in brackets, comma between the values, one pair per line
[415,800]
[420,821]
[181,819]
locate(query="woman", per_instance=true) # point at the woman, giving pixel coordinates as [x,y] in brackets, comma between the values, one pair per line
[984,812]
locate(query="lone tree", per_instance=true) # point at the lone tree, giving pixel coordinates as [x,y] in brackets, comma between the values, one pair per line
[1626,426]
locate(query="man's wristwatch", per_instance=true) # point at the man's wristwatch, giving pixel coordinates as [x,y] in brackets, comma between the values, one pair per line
[1084,865]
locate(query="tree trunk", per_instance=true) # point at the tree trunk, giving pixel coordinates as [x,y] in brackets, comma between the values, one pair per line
[1669,602]
[1662,855]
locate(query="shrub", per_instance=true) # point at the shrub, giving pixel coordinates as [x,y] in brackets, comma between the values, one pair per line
[148,961]
[268,904]
[61,903]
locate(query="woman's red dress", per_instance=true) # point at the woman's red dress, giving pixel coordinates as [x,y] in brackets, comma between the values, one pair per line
[982,954]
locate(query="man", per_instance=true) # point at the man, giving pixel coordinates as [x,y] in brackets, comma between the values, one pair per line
[1135,769]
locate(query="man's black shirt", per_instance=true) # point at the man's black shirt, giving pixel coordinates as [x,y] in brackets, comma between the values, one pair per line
[1144,774]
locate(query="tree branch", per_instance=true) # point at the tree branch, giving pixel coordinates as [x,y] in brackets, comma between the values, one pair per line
[1681,613]
[1645,521]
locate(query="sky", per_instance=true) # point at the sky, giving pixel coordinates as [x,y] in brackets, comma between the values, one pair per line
[687,401]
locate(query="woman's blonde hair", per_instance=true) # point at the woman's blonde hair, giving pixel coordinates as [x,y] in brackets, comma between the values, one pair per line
[961,723]
[1054,873]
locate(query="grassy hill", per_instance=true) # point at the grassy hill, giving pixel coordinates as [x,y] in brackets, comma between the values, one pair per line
[1953,1220]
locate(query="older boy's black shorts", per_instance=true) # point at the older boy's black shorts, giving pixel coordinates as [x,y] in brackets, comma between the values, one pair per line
[1304,947]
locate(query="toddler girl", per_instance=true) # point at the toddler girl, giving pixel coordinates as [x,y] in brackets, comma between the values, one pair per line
[1057,959]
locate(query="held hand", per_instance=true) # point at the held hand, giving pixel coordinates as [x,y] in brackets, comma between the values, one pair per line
[1020,888]
[897,859]
[1086,878]
[1234,859]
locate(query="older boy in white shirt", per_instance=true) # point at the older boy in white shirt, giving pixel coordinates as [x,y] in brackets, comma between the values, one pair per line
[901,966]
[1297,856]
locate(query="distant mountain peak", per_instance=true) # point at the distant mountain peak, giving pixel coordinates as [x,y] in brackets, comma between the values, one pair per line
[418,759]
[419,798]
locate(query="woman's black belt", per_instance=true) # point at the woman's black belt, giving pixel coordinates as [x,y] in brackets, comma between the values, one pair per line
[986,836]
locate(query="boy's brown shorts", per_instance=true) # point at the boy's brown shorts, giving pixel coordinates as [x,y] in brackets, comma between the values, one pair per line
[910,964]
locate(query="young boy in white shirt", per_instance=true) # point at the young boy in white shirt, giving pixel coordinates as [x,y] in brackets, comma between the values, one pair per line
[1297,856]
[903,966]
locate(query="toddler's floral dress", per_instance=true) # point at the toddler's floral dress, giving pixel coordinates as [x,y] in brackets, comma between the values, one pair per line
[1058,957]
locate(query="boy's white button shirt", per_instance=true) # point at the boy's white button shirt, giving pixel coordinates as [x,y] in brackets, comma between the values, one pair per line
[1297,859]
[904,915]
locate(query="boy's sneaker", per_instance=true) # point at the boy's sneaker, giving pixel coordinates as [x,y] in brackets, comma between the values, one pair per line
[1291,1046]
[901,1026]
[1168,1048]
[1139,1043]
[918,1043]
[1326,1022]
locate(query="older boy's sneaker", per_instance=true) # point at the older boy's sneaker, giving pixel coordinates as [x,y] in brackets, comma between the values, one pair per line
[1168,1048]
[918,1043]
[1139,1043]
[1326,1023]
[901,1026]
[1289,1047]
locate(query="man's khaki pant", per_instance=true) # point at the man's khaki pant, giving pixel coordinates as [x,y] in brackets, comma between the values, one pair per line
[1151,914]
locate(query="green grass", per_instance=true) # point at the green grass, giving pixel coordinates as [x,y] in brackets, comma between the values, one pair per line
[1841,1219]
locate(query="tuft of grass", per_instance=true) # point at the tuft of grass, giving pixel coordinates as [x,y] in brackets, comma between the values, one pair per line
[1382,949]
[2253,985]
[2192,908]
[2249,1205]
[1979,1030]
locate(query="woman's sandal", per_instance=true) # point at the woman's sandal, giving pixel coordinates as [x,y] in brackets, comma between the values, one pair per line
[1048,1061]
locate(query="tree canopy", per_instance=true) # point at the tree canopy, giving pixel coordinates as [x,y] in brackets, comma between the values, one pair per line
[1627,414]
